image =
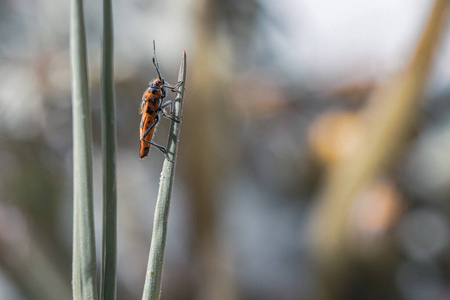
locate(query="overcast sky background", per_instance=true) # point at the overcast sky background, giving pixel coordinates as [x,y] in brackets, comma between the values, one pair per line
[341,41]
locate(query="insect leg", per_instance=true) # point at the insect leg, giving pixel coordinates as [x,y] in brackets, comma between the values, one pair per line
[169,117]
[150,128]
[174,88]
[168,103]
[160,148]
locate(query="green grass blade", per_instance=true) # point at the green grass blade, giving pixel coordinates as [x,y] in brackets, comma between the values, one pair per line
[84,281]
[152,284]
[109,146]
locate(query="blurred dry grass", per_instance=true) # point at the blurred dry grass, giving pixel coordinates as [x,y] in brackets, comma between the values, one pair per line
[388,120]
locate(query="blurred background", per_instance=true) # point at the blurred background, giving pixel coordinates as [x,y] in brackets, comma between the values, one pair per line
[277,95]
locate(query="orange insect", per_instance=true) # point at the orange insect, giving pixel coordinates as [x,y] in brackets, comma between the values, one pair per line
[152,106]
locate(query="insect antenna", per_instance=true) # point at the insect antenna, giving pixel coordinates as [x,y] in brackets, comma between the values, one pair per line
[155,60]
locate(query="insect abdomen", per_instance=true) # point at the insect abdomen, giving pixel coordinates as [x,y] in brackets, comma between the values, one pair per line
[148,126]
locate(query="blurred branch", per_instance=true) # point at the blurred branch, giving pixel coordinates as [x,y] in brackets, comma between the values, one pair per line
[152,285]
[391,114]
[84,279]
[109,145]
[207,127]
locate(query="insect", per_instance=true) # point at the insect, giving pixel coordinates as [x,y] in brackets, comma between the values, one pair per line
[152,107]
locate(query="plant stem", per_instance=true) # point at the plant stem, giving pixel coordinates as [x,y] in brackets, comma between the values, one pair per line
[109,146]
[84,281]
[152,285]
